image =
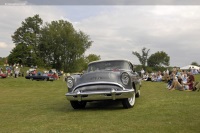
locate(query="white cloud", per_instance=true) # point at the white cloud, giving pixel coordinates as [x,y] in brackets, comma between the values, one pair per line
[160,28]
[119,30]
[3,45]
[12,16]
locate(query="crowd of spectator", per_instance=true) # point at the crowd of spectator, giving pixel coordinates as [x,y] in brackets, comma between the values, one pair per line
[176,79]
[154,76]
[13,70]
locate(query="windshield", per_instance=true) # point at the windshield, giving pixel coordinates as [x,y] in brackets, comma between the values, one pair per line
[108,65]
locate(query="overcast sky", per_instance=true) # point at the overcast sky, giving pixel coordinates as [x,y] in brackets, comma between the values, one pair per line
[118,30]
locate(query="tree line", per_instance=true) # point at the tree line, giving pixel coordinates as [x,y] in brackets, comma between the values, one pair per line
[55,45]
[156,61]
[58,45]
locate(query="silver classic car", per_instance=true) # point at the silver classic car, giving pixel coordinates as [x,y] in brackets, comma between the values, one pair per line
[104,80]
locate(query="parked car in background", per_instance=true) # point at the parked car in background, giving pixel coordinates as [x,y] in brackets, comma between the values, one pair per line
[104,80]
[3,75]
[38,77]
[54,73]
[31,71]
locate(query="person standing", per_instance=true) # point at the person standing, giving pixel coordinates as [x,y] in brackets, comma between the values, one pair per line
[142,72]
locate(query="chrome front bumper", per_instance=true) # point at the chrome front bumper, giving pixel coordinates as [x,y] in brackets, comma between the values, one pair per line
[100,95]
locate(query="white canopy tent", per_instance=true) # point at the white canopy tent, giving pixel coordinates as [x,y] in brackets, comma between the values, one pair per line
[190,67]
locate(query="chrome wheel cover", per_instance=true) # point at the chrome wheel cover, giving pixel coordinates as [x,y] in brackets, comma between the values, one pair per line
[131,100]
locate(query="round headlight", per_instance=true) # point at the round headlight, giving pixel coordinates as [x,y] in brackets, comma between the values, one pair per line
[125,78]
[70,82]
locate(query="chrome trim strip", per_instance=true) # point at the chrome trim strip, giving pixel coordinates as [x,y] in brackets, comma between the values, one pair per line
[98,83]
[102,95]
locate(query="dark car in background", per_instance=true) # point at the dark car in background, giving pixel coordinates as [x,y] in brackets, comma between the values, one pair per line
[38,77]
[104,80]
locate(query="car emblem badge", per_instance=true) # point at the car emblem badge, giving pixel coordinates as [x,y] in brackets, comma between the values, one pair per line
[96,78]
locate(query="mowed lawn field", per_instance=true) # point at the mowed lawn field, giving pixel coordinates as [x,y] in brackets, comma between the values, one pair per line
[41,107]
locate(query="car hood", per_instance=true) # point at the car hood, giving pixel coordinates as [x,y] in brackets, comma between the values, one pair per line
[100,76]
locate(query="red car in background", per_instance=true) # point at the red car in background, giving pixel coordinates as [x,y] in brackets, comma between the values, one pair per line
[54,75]
[2,75]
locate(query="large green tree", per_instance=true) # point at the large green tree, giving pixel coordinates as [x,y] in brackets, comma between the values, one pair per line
[2,60]
[56,44]
[90,58]
[82,63]
[62,46]
[142,57]
[26,40]
[20,54]
[158,59]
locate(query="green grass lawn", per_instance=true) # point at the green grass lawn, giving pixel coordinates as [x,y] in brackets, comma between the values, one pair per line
[41,106]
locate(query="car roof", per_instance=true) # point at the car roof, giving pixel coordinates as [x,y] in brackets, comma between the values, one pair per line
[109,60]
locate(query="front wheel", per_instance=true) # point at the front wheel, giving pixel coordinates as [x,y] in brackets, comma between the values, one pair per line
[138,94]
[129,102]
[78,105]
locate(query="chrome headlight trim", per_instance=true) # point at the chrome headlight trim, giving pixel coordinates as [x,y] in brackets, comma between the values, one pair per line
[70,82]
[125,78]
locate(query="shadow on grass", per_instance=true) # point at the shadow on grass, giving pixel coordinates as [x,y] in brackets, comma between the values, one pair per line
[92,106]
[104,105]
